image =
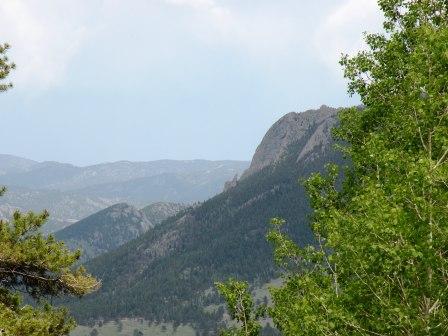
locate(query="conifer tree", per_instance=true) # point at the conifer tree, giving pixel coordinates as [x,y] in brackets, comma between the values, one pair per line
[37,265]
[5,67]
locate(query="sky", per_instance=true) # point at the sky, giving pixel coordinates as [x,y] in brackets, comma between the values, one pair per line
[140,80]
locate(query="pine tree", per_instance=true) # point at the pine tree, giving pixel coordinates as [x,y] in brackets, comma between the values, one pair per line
[5,67]
[37,265]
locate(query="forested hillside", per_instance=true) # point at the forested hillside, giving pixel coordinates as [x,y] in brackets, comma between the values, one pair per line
[110,228]
[168,273]
[157,212]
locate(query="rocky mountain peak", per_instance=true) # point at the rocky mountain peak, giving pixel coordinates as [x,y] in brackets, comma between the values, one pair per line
[156,213]
[231,183]
[121,211]
[291,128]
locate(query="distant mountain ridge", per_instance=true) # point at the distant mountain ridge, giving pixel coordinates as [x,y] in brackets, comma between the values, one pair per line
[68,177]
[110,228]
[65,208]
[71,193]
[167,274]
[13,164]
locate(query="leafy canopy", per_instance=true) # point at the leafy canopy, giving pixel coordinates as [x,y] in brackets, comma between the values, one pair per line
[380,263]
[241,308]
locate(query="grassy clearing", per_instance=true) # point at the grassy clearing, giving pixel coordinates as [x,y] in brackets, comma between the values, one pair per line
[131,327]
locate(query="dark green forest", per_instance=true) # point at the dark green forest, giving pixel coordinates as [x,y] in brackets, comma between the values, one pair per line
[223,237]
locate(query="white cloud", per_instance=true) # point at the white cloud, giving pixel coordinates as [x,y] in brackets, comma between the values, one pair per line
[213,15]
[194,3]
[209,6]
[47,34]
[341,32]
[44,37]
[262,30]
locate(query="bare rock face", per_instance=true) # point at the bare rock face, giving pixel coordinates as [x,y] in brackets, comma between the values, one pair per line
[231,183]
[314,125]
[156,213]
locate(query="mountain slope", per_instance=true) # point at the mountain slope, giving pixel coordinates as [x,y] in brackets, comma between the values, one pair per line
[65,208]
[13,164]
[112,227]
[156,213]
[167,187]
[105,230]
[168,273]
[291,128]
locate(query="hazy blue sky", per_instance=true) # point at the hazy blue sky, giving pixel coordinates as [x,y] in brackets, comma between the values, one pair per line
[181,79]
